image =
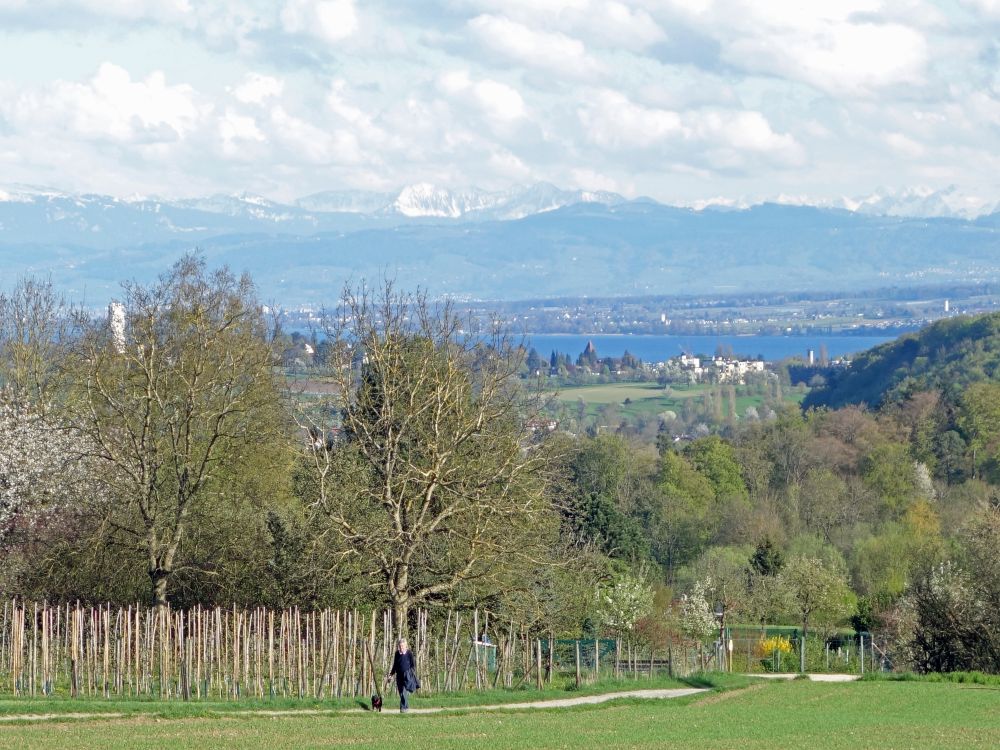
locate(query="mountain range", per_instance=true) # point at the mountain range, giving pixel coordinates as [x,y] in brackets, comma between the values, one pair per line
[536,241]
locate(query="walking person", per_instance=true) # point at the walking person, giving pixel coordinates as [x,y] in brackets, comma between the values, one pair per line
[404,668]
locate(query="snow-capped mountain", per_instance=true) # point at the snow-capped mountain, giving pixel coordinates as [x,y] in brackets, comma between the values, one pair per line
[242,204]
[536,242]
[424,200]
[923,202]
[346,201]
[36,214]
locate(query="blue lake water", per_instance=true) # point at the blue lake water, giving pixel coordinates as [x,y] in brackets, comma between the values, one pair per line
[655,348]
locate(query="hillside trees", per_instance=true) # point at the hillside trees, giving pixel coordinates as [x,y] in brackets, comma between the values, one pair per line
[687,521]
[610,492]
[953,611]
[979,420]
[437,485]
[173,402]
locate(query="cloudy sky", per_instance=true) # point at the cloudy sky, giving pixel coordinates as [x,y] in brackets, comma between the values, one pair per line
[682,100]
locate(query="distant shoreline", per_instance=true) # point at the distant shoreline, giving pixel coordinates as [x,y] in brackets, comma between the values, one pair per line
[837,334]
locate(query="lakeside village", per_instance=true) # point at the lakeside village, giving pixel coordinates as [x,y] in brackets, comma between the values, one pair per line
[589,368]
[724,367]
[680,398]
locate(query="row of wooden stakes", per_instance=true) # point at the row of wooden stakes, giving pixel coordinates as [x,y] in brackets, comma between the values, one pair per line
[227,654]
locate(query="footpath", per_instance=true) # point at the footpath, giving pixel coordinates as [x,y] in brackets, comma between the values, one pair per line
[582,700]
[554,703]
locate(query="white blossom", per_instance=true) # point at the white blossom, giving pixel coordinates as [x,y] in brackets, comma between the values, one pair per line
[41,466]
[925,484]
[625,602]
[697,620]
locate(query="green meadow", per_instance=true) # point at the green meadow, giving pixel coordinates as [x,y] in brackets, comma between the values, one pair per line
[764,715]
[650,399]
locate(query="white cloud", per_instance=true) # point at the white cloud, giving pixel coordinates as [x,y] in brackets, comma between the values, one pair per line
[509,166]
[675,98]
[619,25]
[904,145]
[328,20]
[988,8]
[612,121]
[552,51]
[498,101]
[315,144]
[845,48]
[724,139]
[113,106]
[237,131]
[843,58]
[48,13]
[257,88]
[588,179]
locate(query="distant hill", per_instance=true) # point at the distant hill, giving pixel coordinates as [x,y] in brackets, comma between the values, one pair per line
[538,242]
[947,355]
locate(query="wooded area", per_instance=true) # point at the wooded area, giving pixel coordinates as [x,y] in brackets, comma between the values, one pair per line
[161,470]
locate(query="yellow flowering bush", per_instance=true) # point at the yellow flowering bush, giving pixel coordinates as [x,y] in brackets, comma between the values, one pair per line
[767,646]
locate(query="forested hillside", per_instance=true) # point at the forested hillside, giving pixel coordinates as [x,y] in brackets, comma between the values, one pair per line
[946,356]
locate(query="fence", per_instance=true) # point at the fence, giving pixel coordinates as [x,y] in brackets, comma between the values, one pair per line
[756,650]
[227,654]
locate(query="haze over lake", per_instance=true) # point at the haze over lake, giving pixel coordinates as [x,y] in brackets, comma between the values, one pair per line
[655,348]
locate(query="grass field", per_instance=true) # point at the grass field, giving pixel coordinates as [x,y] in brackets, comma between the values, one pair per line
[561,687]
[647,399]
[771,716]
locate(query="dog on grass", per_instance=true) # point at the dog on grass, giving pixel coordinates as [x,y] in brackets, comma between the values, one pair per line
[377,703]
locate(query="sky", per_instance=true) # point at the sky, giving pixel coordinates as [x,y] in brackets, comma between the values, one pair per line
[681,100]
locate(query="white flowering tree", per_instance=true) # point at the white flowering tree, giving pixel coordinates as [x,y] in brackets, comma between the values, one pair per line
[41,469]
[626,601]
[697,619]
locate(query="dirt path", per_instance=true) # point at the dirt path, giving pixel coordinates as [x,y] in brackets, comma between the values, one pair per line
[818,677]
[54,717]
[555,703]
[581,700]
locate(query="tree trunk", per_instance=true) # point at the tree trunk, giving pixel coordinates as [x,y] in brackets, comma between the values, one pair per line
[802,647]
[158,578]
[400,615]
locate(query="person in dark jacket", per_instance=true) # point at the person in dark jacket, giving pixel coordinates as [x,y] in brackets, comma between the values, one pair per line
[404,669]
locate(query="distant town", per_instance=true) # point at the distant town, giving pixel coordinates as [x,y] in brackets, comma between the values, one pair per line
[886,311]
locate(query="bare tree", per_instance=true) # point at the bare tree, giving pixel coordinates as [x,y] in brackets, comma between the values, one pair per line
[35,329]
[172,396]
[435,484]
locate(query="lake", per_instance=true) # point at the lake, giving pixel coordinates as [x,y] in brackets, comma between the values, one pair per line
[655,348]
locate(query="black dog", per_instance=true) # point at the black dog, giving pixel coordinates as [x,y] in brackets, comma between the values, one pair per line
[377,703]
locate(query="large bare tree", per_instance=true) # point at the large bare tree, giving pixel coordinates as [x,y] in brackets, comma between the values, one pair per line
[172,392]
[436,482]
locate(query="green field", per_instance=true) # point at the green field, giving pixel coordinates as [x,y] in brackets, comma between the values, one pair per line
[771,716]
[648,399]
